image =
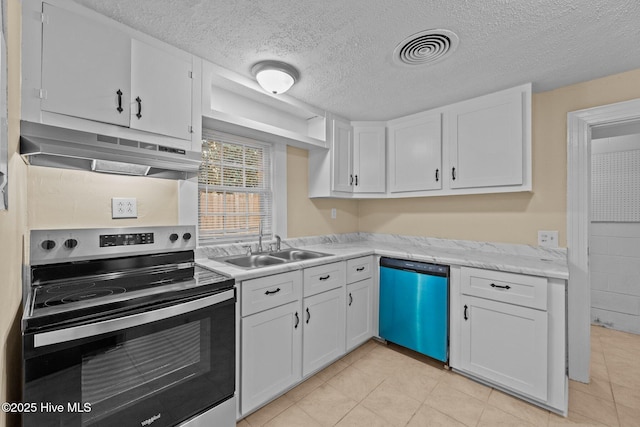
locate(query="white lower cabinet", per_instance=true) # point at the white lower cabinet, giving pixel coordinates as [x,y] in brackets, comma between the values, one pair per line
[508,330]
[359,312]
[360,272]
[271,354]
[505,343]
[324,329]
[285,336]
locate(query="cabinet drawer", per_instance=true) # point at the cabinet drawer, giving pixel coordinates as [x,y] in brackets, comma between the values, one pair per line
[527,291]
[270,291]
[324,277]
[359,269]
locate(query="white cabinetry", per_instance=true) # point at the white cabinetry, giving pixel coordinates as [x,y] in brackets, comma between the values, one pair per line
[85,68]
[324,329]
[359,301]
[271,350]
[505,343]
[324,316]
[508,331]
[369,155]
[482,145]
[286,336]
[488,137]
[358,157]
[160,92]
[342,156]
[84,71]
[415,153]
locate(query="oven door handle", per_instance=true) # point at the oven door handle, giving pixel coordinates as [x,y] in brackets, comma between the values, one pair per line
[111,325]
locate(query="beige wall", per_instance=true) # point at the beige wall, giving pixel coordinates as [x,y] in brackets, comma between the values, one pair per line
[312,217]
[515,217]
[13,223]
[62,198]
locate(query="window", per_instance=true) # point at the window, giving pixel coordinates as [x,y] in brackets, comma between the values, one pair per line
[235,189]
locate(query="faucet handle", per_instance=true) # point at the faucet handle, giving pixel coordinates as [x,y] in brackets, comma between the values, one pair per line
[247,248]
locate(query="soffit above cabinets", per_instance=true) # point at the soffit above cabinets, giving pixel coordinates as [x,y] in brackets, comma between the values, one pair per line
[344,50]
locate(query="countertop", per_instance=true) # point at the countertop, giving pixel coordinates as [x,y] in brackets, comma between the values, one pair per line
[524,259]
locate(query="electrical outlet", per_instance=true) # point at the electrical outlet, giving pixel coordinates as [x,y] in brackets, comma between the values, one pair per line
[123,207]
[334,213]
[548,239]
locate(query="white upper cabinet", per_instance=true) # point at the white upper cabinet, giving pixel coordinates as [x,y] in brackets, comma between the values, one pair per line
[369,158]
[84,71]
[488,136]
[357,158]
[482,145]
[415,153]
[342,156]
[160,92]
[85,68]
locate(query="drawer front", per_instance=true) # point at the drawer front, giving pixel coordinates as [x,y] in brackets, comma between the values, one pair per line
[270,291]
[324,277]
[527,291]
[359,269]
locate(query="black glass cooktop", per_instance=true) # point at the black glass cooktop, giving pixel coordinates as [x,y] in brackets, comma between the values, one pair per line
[76,292]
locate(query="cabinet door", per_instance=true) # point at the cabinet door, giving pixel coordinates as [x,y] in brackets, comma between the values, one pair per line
[271,354]
[160,92]
[342,157]
[359,312]
[506,344]
[369,156]
[324,330]
[415,154]
[85,68]
[487,140]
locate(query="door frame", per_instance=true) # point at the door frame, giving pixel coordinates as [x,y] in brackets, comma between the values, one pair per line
[579,124]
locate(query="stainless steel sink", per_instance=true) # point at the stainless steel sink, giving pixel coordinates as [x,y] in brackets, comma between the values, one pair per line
[271,258]
[254,261]
[297,254]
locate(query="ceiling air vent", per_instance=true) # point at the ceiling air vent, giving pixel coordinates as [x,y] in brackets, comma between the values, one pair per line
[425,47]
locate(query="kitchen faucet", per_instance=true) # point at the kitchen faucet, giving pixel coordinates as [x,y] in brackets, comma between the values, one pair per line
[278,241]
[260,237]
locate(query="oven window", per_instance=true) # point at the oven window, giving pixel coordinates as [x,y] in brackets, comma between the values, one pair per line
[138,368]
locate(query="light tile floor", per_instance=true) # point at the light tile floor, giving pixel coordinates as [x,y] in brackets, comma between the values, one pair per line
[378,385]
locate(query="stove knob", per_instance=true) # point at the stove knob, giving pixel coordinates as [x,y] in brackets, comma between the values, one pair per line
[70,243]
[173,237]
[186,236]
[47,245]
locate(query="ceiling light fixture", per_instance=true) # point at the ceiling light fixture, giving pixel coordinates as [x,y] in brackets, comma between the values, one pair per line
[274,76]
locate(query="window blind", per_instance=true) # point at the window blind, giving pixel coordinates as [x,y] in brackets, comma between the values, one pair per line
[235,189]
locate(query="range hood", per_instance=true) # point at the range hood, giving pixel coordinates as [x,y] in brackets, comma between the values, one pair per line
[44,145]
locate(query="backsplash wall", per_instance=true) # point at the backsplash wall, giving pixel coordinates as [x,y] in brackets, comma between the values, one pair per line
[62,198]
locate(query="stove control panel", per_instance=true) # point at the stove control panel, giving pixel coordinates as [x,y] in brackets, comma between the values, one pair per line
[68,245]
[126,239]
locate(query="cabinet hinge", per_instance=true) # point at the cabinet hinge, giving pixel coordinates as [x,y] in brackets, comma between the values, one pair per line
[41,93]
[44,18]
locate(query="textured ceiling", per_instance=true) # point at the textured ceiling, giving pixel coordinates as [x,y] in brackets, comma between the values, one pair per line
[343,48]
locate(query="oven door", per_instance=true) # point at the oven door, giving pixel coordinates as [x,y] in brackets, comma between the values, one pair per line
[153,368]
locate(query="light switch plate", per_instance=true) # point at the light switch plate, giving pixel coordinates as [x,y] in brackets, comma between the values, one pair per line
[124,207]
[334,213]
[548,239]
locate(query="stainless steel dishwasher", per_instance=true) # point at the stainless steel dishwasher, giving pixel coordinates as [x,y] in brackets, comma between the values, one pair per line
[414,306]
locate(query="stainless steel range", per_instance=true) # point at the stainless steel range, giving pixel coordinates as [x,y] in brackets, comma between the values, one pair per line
[120,327]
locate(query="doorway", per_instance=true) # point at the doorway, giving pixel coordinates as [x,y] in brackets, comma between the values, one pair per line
[614,238]
[580,125]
